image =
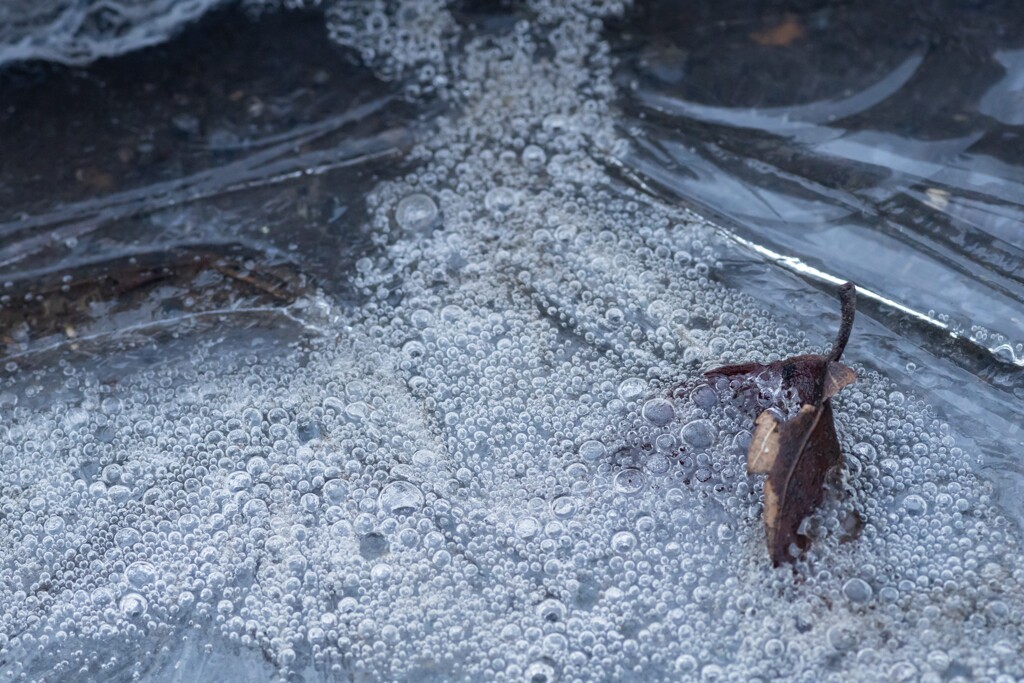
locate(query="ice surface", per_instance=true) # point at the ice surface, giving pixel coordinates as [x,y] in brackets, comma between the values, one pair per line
[76,32]
[504,465]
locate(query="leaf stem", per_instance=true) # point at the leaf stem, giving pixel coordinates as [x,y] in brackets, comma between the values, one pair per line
[848,303]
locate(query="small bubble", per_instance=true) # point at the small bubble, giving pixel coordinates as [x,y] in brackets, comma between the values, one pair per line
[685,664]
[658,411]
[665,443]
[381,572]
[133,605]
[534,157]
[424,458]
[540,672]
[632,388]
[704,397]
[593,450]
[335,491]
[400,497]
[416,212]
[915,505]
[840,638]
[527,528]
[712,673]
[563,506]
[889,594]
[614,316]
[623,542]
[857,590]
[629,481]
[657,464]
[698,434]
[140,574]
[500,199]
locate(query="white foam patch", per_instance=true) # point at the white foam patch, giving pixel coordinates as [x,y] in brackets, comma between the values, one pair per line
[505,466]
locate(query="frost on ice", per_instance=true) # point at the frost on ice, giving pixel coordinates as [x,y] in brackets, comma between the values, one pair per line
[488,471]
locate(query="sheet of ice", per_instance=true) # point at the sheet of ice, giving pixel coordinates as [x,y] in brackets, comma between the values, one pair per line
[76,32]
[504,466]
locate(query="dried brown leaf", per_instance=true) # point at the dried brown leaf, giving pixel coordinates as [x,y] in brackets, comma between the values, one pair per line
[807,449]
[797,453]
[764,444]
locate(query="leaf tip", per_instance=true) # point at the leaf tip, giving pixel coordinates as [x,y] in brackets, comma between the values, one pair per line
[848,310]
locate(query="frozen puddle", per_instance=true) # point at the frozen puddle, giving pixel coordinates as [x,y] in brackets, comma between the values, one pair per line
[502,467]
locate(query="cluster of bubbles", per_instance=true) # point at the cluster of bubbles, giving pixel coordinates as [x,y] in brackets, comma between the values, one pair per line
[506,465]
[395,37]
